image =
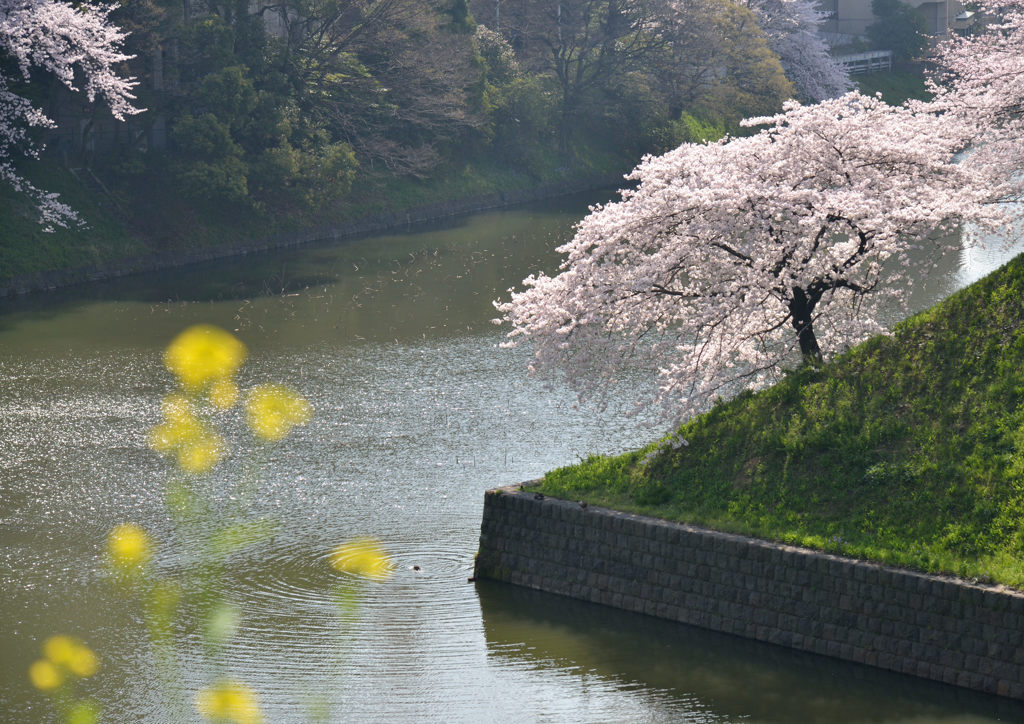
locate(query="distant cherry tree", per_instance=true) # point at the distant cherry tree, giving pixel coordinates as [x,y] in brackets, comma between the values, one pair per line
[791,27]
[979,85]
[79,46]
[733,262]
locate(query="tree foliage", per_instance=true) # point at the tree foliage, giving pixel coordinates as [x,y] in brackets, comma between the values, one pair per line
[308,98]
[715,59]
[612,58]
[584,45]
[398,80]
[791,27]
[899,28]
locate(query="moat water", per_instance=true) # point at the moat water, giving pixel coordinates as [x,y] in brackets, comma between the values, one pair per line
[417,413]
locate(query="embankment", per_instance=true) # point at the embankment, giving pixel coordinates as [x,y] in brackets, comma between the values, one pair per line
[55,279]
[933,627]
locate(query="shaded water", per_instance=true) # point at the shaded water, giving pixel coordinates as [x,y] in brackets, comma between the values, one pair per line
[417,414]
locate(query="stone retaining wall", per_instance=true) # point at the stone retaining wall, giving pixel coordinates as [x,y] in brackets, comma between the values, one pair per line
[928,626]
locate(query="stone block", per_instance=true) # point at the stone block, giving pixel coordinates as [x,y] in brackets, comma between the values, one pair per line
[889,661]
[1006,670]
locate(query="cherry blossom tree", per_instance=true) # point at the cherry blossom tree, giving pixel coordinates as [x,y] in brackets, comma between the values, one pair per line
[81,48]
[735,261]
[979,85]
[791,27]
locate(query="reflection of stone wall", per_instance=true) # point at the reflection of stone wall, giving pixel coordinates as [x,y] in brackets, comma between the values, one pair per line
[927,626]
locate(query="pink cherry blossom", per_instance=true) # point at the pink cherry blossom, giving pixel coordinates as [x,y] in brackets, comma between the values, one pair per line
[979,85]
[733,262]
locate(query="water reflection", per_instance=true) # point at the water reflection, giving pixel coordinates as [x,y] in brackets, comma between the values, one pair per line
[689,674]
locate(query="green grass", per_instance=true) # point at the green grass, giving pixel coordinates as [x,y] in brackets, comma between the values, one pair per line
[908,450]
[24,246]
[895,86]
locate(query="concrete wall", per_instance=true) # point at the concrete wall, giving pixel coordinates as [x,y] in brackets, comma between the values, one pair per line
[928,626]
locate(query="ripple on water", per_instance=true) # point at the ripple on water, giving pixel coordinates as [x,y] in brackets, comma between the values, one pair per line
[427,576]
[306,628]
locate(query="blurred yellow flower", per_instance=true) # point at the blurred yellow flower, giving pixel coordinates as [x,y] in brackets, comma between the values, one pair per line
[362,557]
[272,410]
[168,436]
[203,354]
[128,547]
[224,394]
[63,654]
[196,445]
[44,675]
[60,649]
[83,662]
[202,453]
[229,701]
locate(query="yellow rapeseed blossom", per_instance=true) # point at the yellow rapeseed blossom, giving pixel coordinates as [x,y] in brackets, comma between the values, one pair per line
[128,547]
[272,410]
[44,675]
[203,354]
[223,394]
[172,434]
[229,701]
[84,662]
[202,453]
[63,655]
[362,557]
[195,444]
[60,649]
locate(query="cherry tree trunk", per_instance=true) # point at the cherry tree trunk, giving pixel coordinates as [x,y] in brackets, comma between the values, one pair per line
[801,308]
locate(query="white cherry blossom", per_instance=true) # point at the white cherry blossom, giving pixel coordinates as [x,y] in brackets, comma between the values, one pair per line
[78,45]
[791,27]
[979,85]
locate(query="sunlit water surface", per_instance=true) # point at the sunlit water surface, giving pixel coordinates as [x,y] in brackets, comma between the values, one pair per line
[418,412]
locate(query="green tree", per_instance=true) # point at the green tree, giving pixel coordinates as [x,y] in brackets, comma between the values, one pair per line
[899,28]
[391,79]
[585,45]
[208,164]
[518,104]
[716,60]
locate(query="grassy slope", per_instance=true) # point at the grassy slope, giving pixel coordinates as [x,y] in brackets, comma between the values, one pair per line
[907,450]
[26,248]
[895,86]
